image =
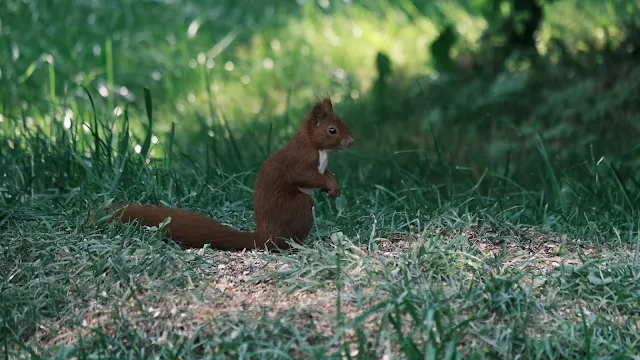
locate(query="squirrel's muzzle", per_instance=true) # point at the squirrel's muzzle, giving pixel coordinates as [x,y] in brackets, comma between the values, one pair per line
[348,142]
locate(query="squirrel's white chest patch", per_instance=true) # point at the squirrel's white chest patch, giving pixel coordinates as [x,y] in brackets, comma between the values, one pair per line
[323,160]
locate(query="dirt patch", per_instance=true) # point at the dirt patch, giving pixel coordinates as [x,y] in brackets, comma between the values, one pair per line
[181,314]
[231,292]
[535,251]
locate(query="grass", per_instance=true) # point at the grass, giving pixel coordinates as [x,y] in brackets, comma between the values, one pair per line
[483,215]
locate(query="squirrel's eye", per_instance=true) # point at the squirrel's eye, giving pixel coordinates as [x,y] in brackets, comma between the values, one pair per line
[332,130]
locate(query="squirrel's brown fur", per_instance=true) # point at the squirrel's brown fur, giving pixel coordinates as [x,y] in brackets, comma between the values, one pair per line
[282,205]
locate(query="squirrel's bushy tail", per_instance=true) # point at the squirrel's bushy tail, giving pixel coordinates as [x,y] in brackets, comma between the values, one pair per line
[188,228]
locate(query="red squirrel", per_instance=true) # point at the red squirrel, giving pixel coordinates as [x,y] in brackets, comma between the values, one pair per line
[283,207]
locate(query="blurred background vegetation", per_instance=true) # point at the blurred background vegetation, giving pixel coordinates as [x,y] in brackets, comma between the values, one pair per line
[499,96]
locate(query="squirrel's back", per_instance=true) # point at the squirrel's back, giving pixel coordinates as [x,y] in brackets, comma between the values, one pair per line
[280,209]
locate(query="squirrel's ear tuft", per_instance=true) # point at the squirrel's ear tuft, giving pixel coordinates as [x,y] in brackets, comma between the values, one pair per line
[318,113]
[321,109]
[326,103]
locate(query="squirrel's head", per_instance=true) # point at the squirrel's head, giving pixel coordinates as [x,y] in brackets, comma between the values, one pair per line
[327,130]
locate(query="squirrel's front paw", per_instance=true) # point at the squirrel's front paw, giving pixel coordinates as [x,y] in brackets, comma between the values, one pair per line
[334,190]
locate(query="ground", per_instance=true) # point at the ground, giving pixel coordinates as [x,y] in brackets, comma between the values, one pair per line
[473,279]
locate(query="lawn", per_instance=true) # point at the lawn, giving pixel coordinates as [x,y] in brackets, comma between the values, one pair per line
[483,214]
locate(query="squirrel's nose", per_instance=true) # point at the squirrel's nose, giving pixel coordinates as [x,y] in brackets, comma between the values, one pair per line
[350,141]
